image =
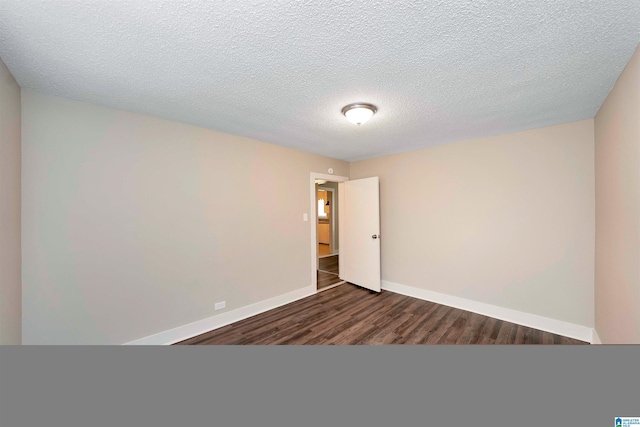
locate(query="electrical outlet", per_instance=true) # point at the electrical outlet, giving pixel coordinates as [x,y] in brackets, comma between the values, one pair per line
[220,305]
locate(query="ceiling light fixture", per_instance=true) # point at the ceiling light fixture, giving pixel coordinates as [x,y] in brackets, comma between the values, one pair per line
[359,113]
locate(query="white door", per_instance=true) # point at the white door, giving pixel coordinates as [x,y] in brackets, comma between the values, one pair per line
[359,212]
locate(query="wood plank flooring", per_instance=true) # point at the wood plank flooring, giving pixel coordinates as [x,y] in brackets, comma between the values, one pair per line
[327,279]
[328,271]
[350,315]
[329,264]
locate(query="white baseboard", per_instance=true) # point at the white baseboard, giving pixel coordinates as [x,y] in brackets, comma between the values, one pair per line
[193,329]
[583,333]
[190,330]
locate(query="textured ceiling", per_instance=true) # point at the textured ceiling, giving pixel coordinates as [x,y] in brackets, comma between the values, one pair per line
[280,71]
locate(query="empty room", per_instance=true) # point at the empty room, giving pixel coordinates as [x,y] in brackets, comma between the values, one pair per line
[319,173]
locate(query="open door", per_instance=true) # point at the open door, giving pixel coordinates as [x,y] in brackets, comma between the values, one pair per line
[359,210]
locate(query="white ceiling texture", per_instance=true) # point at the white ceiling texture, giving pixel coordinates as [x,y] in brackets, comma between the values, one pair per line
[280,71]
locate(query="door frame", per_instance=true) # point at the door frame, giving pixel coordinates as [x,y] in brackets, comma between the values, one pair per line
[314,222]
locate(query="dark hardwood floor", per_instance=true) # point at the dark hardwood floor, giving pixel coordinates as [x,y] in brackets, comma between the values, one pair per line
[329,264]
[348,314]
[328,271]
[327,279]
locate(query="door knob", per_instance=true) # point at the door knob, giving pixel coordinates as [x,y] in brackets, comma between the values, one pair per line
[375,236]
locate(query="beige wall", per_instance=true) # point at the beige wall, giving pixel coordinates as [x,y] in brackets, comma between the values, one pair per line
[617,148]
[506,220]
[127,230]
[10,264]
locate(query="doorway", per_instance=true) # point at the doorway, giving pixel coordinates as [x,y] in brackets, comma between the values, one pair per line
[327,226]
[358,259]
[325,231]
[327,217]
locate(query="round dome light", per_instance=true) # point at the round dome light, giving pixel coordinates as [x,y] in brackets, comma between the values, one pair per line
[359,113]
